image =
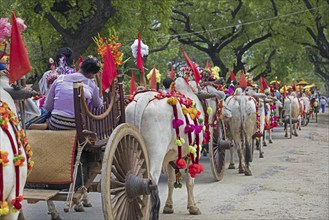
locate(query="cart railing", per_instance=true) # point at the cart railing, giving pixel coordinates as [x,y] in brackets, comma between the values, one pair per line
[98,122]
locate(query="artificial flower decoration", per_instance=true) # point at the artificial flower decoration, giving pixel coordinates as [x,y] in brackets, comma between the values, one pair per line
[215,72]
[157,74]
[114,45]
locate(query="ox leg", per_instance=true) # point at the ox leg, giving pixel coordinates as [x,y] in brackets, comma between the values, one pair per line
[264,138]
[155,207]
[286,129]
[231,166]
[270,140]
[295,130]
[247,151]
[168,208]
[240,155]
[261,153]
[85,200]
[52,210]
[193,209]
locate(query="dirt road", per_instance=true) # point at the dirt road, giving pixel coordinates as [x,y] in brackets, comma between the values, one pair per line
[291,182]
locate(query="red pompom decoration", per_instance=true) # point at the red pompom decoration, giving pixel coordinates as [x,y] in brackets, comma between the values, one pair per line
[181,163]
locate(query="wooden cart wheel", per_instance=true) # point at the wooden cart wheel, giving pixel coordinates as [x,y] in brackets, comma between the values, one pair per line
[217,151]
[125,172]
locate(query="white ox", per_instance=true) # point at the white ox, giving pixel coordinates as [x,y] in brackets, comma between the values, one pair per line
[291,109]
[154,118]
[241,128]
[306,109]
[8,175]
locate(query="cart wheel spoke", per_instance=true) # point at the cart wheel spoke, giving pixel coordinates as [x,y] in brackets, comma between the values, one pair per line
[125,164]
[217,151]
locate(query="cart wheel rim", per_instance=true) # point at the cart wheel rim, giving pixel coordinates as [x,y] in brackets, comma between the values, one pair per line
[217,151]
[125,159]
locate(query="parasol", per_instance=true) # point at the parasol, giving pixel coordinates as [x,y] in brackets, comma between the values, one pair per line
[302,83]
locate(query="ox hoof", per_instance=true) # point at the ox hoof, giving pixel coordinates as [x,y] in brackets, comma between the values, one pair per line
[241,170]
[264,144]
[87,204]
[261,155]
[247,172]
[286,135]
[270,141]
[56,217]
[168,209]
[194,210]
[79,207]
[231,166]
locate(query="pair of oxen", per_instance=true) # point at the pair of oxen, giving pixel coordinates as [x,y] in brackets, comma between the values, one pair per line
[154,118]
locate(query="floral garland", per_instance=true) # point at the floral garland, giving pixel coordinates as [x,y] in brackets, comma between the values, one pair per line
[273,117]
[194,148]
[258,133]
[7,116]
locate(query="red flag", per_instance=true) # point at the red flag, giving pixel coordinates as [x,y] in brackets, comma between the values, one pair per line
[263,84]
[196,73]
[79,63]
[132,84]
[232,76]
[153,80]
[19,61]
[109,70]
[172,73]
[243,80]
[139,58]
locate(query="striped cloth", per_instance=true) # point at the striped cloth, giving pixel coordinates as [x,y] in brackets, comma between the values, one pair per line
[58,122]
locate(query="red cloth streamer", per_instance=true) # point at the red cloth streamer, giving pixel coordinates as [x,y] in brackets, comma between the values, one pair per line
[139,59]
[192,65]
[232,76]
[284,92]
[208,66]
[109,71]
[79,63]
[172,73]
[19,61]
[153,80]
[132,84]
[243,81]
[294,87]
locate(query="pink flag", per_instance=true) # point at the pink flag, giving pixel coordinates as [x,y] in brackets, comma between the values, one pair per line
[109,70]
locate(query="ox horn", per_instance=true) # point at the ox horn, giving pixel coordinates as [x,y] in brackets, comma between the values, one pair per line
[273,98]
[21,93]
[259,95]
[204,95]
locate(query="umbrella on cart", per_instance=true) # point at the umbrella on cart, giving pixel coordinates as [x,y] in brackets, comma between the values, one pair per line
[302,83]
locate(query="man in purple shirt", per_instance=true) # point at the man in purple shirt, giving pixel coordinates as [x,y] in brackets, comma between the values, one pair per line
[59,100]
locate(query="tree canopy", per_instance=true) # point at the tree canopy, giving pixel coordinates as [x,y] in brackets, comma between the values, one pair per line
[284,39]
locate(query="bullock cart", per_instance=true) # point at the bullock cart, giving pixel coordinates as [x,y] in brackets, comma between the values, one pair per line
[106,146]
